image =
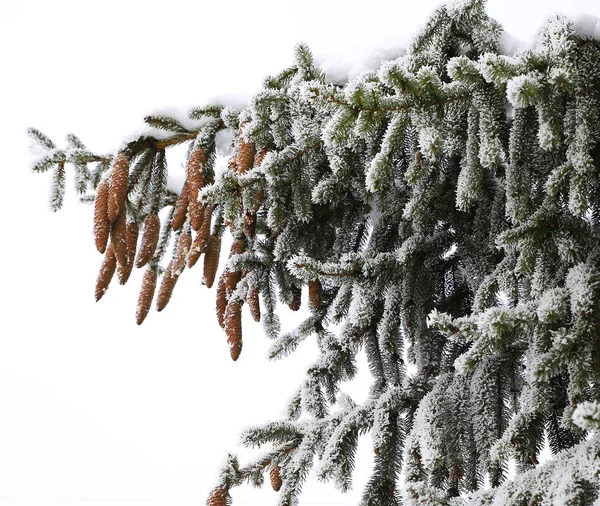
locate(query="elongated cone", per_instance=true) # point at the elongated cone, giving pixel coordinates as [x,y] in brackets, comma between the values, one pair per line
[107,270]
[296,298]
[195,180]
[211,260]
[249,224]
[181,206]
[118,238]
[185,242]
[218,497]
[253,303]
[132,236]
[146,295]
[149,241]
[232,164]
[232,278]
[315,294]
[275,476]
[166,287]
[260,156]
[233,328]
[195,252]
[117,188]
[221,302]
[245,157]
[101,221]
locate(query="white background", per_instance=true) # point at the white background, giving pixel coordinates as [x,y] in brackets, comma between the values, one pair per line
[93,409]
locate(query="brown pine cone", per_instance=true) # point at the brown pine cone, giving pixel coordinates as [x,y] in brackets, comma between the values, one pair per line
[118,238]
[195,179]
[204,230]
[185,242]
[146,295]
[245,156]
[218,497]
[166,287]
[106,273]
[221,300]
[253,303]
[181,206]
[260,156]
[315,294]
[232,164]
[249,225]
[233,328]
[117,188]
[149,241]
[195,251]
[211,260]
[296,298]
[275,476]
[132,235]
[101,221]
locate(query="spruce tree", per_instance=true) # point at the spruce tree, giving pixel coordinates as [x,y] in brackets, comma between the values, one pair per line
[441,213]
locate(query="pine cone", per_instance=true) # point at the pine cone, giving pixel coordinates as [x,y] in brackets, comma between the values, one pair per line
[275,476]
[166,287]
[233,328]
[195,180]
[221,302]
[211,260]
[218,497]
[296,298]
[195,251]
[101,221]
[204,231]
[181,206]
[315,294]
[132,236]
[254,304]
[232,164]
[146,295]
[260,156]
[185,242]
[249,225]
[149,240]
[106,273]
[118,238]
[245,156]
[117,189]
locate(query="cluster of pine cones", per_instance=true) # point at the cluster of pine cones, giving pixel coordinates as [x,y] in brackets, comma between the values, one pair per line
[117,238]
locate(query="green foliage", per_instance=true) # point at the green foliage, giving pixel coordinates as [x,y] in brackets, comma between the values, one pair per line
[449,207]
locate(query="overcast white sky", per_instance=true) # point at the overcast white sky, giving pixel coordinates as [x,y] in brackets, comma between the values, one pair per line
[93,409]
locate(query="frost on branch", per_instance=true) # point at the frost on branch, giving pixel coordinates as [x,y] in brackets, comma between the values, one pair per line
[441,215]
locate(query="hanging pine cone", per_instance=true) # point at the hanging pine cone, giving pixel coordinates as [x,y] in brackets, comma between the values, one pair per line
[101,221]
[221,300]
[185,242]
[195,251]
[232,164]
[315,294]
[233,328]
[260,156]
[107,270]
[195,179]
[211,260]
[146,295]
[249,224]
[245,157]
[275,476]
[149,241]
[296,298]
[132,235]
[181,206]
[218,497]
[118,238]
[166,287]
[117,188]
[254,303]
